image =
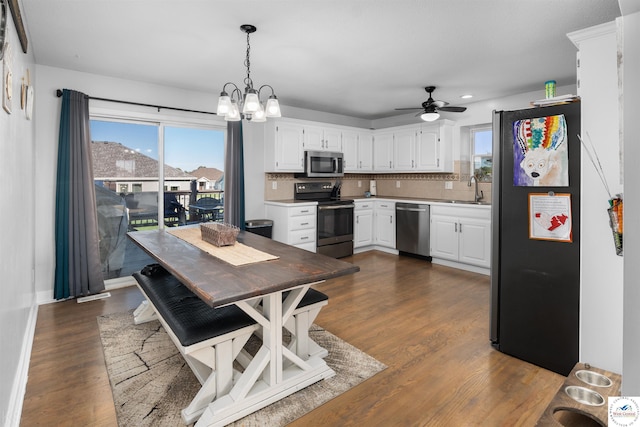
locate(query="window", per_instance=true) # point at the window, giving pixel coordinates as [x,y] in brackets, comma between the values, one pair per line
[136,188]
[123,188]
[481,152]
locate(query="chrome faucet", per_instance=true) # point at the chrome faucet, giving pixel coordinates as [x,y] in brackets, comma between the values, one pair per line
[477,196]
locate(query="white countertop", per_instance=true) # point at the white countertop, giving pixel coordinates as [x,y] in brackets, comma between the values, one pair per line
[460,203]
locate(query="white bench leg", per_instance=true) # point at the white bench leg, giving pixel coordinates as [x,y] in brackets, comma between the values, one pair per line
[217,362]
[144,313]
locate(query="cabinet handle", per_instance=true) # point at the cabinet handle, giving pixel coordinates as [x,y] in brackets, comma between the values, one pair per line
[357,220]
[389,164]
[456,227]
[412,164]
[390,220]
[304,223]
[304,237]
[461,228]
[360,164]
[305,211]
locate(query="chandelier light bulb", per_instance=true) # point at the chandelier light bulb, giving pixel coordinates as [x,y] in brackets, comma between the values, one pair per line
[251,102]
[273,107]
[224,103]
[234,113]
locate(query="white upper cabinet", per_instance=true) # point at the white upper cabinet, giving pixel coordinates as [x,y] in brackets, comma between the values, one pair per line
[415,148]
[383,151]
[427,155]
[404,149]
[283,147]
[357,147]
[322,138]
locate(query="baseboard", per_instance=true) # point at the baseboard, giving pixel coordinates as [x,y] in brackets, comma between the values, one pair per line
[375,248]
[19,387]
[45,297]
[462,266]
[120,282]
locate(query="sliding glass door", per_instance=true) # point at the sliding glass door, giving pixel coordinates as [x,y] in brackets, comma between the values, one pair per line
[134,193]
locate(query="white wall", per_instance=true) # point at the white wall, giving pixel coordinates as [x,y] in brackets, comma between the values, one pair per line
[601,271]
[631,85]
[17,303]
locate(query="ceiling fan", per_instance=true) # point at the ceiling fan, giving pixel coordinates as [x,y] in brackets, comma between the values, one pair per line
[431,107]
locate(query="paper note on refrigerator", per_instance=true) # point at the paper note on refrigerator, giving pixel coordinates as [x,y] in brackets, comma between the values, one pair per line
[550,217]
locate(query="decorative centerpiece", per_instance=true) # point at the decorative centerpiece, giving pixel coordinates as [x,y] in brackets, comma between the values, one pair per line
[219,234]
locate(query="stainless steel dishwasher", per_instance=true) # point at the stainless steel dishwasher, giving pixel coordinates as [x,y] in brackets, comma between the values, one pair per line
[412,229]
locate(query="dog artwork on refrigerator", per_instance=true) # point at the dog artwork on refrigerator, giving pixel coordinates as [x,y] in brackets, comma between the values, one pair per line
[540,152]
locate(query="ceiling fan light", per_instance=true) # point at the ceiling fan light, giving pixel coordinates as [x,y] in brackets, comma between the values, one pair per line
[251,102]
[429,117]
[234,113]
[224,104]
[273,107]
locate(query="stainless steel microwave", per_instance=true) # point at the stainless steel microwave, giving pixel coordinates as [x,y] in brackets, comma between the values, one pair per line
[320,164]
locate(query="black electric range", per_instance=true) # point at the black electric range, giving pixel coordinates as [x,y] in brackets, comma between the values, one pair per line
[334,232]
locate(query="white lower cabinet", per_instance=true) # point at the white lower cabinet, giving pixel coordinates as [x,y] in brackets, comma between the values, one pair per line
[385,223]
[363,224]
[461,234]
[293,225]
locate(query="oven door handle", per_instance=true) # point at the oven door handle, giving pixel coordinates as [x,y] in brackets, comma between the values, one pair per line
[322,208]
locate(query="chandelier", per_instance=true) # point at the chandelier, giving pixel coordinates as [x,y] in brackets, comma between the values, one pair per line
[248,104]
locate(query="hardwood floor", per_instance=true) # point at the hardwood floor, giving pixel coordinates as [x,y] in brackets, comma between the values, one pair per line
[429,324]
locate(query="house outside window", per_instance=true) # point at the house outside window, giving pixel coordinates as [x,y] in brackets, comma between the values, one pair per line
[123,188]
[136,187]
[481,152]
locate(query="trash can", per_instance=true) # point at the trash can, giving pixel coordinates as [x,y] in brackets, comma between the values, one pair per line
[263,227]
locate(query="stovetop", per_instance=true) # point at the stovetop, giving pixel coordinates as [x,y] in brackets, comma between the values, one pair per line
[322,192]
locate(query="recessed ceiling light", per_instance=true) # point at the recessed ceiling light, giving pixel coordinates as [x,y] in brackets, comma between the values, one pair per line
[466,96]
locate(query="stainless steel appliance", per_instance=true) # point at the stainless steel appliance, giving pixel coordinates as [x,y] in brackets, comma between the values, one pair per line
[334,233]
[412,229]
[323,164]
[535,282]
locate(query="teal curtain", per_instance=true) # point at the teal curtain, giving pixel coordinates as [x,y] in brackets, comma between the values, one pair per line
[234,176]
[78,268]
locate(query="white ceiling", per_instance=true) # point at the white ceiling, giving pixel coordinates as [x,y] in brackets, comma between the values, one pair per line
[360,58]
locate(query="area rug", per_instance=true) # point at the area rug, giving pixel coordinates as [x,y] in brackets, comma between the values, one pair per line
[151,382]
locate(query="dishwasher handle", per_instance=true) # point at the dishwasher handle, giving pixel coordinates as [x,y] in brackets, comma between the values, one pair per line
[411,209]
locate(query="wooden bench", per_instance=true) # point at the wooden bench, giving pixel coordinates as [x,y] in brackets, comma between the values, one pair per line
[212,339]
[209,339]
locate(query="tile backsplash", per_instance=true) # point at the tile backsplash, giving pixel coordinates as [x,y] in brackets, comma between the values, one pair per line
[279,186]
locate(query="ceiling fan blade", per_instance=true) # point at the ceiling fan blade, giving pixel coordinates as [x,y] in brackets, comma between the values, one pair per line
[453,109]
[410,108]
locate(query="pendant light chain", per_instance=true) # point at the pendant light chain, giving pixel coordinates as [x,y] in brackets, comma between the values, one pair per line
[247,63]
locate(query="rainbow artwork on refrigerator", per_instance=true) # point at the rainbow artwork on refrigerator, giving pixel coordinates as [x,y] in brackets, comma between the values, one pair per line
[540,152]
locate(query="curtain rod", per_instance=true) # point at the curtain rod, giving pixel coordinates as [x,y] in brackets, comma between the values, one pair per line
[59,94]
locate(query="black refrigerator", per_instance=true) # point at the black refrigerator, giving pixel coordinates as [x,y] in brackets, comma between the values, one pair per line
[535,267]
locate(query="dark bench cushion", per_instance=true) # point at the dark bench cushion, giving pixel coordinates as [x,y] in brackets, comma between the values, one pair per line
[311,297]
[190,318]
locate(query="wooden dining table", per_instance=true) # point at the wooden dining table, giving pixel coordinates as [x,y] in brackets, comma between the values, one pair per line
[275,371]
